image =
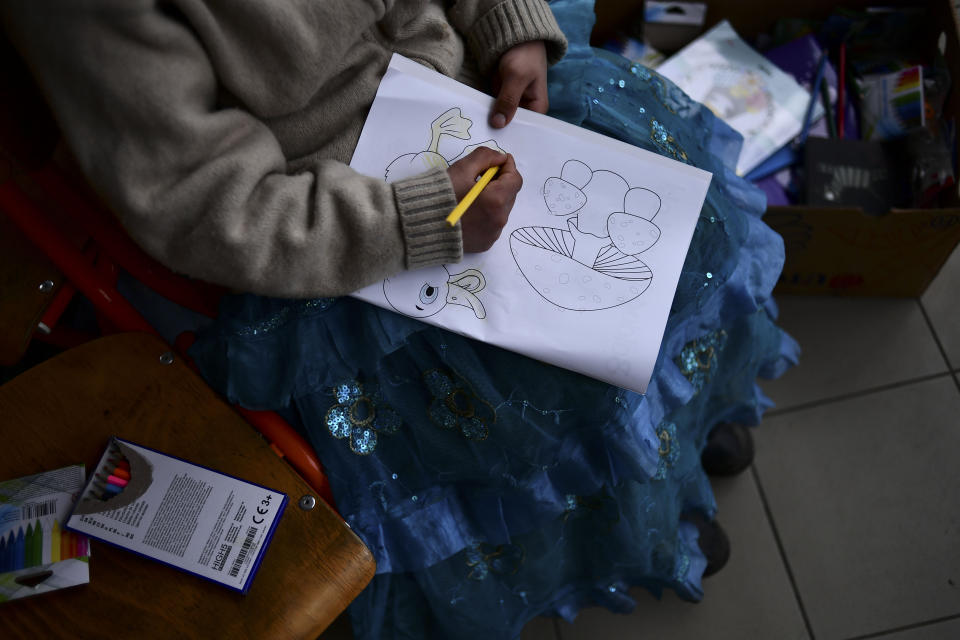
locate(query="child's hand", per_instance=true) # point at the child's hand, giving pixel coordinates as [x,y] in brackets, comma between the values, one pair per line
[520,81]
[484,220]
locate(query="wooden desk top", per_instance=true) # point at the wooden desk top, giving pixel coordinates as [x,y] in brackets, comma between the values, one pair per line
[63,411]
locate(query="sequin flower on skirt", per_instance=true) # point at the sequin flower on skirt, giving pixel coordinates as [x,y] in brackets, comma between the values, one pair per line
[699,357]
[456,406]
[669,449]
[483,559]
[359,415]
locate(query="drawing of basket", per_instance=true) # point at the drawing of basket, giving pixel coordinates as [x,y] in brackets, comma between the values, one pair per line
[545,258]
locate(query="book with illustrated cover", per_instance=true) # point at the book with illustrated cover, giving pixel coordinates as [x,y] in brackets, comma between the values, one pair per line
[744,89]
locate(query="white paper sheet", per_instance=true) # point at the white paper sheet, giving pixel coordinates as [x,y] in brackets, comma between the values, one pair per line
[584,274]
[744,89]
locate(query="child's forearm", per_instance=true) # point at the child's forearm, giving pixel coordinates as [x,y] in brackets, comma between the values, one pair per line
[206,189]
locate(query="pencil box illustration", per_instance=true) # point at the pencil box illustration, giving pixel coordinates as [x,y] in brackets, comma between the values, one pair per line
[120,479]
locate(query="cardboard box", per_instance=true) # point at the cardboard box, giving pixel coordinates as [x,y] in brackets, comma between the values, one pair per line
[670,26]
[842,251]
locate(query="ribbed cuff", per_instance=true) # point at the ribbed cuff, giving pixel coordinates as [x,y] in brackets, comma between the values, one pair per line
[513,22]
[424,202]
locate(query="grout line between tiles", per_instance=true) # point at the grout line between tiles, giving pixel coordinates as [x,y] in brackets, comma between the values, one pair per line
[855,394]
[783,553]
[936,338]
[908,627]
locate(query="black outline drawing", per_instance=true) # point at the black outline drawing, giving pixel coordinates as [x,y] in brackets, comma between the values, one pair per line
[591,265]
[450,123]
[408,290]
[424,285]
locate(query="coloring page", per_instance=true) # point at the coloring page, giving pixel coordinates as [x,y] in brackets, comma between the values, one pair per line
[584,274]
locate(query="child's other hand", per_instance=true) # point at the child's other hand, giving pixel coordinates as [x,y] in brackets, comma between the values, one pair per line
[484,220]
[520,81]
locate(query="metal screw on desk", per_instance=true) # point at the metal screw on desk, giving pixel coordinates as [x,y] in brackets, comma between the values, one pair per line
[166,357]
[45,286]
[307,502]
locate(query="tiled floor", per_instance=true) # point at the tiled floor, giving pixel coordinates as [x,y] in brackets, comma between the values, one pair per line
[848,525]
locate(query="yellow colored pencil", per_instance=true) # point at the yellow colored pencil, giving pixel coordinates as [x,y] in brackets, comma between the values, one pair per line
[468,199]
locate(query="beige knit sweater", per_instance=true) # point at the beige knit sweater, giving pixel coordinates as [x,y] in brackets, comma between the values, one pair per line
[218,130]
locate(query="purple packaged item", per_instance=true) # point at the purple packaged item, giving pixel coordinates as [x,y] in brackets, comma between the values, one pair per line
[776,194]
[799,58]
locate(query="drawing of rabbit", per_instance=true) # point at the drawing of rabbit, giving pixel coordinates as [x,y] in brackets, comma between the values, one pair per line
[424,292]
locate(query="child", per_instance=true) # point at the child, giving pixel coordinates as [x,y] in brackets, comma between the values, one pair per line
[491,488]
[218,132]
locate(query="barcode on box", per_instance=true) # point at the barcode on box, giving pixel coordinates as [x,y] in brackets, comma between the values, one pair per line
[34,510]
[244,550]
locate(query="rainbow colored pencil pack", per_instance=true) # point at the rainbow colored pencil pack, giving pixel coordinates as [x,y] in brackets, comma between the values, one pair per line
[181,514]
[892,104]
[37,554]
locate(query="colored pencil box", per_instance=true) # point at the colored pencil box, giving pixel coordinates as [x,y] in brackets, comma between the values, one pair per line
[36,554]
[184,515]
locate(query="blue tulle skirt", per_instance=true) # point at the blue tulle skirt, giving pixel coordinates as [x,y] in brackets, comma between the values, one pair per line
[492,488]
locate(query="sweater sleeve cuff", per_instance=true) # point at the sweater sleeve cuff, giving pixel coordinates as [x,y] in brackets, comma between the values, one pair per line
[513,22]
[424,201]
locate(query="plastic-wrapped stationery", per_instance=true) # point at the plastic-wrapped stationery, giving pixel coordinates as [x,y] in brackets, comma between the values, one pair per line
[744,89]
[36,554]
[184,515]
[892,104]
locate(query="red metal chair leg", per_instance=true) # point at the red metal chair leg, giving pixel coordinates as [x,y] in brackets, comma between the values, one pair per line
[103,228]
[22,210]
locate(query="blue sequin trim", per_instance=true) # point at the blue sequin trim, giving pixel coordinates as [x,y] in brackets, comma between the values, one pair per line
[290,312]
[666,142]
[683,567]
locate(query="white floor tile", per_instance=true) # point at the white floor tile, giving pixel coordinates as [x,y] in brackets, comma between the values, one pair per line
[750,598]
[948,630]
[864,494]
[852,344]
[942,302]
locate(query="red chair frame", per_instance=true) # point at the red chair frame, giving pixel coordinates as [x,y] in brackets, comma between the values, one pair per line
[92,272]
